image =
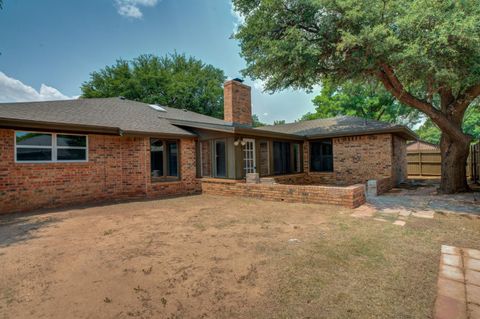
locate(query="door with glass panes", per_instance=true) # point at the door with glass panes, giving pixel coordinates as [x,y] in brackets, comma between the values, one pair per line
[249,156]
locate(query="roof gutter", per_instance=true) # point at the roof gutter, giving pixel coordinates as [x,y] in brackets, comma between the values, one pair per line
[40,125]
[80,128]
[402,131]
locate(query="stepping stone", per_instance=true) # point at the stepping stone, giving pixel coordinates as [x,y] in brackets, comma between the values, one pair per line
[450,250]
[380,219]
[389,211]
[424,214]
[404,213]
[399,223]
[364,211]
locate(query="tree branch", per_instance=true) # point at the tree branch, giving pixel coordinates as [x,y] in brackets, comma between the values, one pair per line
[387,76]
[466,98]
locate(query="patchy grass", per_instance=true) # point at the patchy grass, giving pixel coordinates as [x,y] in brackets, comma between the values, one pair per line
[218,257]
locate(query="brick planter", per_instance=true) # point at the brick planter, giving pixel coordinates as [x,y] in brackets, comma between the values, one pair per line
[348,196]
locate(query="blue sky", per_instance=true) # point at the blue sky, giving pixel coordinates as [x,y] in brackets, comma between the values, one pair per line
[49,47]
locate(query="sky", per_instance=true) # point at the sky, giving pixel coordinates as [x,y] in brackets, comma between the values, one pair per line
[48,48]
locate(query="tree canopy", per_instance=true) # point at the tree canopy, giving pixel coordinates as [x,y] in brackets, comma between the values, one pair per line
[425,53]
[368,100]
[173,80]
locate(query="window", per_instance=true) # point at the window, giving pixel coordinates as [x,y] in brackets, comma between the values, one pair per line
[163,159]
[32,147]
[297,168]
[281,158]
[220,159]
[321,156]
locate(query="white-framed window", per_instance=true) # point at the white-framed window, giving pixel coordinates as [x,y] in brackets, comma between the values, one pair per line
[41,147]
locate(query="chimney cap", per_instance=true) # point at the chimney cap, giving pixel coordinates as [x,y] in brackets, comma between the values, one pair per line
[238,80]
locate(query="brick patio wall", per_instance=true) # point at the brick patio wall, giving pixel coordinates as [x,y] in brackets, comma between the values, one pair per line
[384,185]
[118,168]
[348,196]
[356,159]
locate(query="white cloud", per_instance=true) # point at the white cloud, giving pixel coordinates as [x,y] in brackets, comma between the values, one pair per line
[238,17]
[265,114]
[13,90]
[131,8]
[259,85]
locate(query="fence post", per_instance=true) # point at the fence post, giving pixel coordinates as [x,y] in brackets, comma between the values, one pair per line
[420,162]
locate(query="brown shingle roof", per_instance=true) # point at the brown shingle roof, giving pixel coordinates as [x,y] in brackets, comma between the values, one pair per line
[136,117]
[115,113]
[338,126]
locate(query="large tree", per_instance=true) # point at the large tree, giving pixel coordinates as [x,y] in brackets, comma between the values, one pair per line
[429,132]
[173,80]
[364,99]
[425,53]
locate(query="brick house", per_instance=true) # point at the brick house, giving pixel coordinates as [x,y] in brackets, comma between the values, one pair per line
[58,153]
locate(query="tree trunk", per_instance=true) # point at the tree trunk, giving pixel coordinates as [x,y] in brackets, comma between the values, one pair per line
[454,154]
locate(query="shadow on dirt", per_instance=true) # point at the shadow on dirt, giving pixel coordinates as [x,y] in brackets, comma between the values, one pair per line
[18,228]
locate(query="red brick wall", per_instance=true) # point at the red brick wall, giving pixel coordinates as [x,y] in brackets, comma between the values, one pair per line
[399,166]
[349,196]
[118,168]
[356,159]
[237,103]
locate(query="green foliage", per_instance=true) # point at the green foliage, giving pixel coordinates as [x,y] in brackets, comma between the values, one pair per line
[278,122]
[256,121]
[299,43]
[368,100]
[429,132]
[173,80]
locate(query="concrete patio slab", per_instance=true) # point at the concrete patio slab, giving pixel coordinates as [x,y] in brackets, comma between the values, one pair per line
[449,308]
[473,294]
[452,260]
[472,253]
[452,289]
[472,264]
[474,312]
[452,273]
[458,294]
[472,277]
[450,250]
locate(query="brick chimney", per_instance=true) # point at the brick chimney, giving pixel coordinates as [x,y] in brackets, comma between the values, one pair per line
[237,107]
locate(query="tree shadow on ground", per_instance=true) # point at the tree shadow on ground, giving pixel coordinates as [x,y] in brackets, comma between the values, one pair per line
[18,228]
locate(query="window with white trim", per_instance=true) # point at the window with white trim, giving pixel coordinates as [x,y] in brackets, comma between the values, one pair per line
[38,147]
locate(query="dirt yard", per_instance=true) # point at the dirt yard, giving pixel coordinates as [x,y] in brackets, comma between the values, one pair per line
[218,257]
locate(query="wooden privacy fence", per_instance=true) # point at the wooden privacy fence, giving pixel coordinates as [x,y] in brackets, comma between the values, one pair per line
[428,163]
[475,163]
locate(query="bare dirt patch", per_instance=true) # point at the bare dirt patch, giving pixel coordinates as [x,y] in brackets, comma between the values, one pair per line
[219,257]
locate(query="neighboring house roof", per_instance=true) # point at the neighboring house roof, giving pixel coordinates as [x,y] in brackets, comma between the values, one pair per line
[422,146]
[339,126]
[118,115]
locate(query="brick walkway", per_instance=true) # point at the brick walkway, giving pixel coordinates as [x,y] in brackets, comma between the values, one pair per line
[458,284]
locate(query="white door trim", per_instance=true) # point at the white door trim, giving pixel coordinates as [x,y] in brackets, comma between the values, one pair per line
[249,156]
